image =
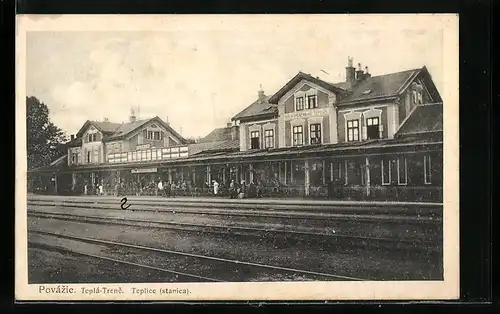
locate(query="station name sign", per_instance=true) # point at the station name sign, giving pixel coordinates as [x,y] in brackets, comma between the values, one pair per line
[306,114]
[144,170]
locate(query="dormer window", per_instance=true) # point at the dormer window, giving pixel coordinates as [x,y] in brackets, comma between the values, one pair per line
[417,93]
[299,103]
[311,102]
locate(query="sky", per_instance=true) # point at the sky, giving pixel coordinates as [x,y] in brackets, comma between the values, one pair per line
[197,77]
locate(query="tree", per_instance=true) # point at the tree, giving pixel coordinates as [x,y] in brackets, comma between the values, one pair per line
[45,140]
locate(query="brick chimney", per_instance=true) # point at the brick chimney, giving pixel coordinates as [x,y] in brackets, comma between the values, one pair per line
[72,137]
[261,95]
[350,73]
[359,73]
[235,131]
[367,74]
[133,118]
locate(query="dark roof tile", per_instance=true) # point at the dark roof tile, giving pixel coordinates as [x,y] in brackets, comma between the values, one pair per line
[379,86]
[423,119]
[106,127]
[257,108]
[125,128]
[217,135]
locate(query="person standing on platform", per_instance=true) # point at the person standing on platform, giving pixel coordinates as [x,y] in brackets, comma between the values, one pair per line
[232,189]
[216,187]
[160,188]
[331,189]
[166,188]
[101,189]
[173,189]
[242,190]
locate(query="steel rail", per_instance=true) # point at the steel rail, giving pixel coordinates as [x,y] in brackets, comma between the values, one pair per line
[203,228]
[119,261]
[205,257]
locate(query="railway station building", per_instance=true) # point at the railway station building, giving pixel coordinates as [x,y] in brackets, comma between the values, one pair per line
[372,137]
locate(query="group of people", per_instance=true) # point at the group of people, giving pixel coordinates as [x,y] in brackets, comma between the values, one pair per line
[98,189]
[167,189]
[243,190]
[233,189]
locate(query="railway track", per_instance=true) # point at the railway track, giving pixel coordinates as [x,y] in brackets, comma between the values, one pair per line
[258,213]
[136,255]
[321,238]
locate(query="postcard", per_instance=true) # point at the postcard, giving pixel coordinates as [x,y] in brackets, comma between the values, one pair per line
[237,157]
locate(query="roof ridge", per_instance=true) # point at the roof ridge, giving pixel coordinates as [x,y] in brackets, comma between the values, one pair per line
[373,76]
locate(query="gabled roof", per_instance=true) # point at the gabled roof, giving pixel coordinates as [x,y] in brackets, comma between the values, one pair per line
[303,76]
[104,127]
[126,128]
[258,108]
[115,131]
[219,139]
[388,86]
[427,118]
[380,86]
[217,135]
[371,88]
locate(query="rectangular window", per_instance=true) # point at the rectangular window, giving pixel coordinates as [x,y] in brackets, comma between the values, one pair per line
[402,171]
[134,156]
[386,172]
[315,133]
[311,102]
[149,135]
[299,103]
[372,128]
[92,137]
[298,135]
[89,156]
[427,169]
[269,138]
[254,140]
[95,158]
[155,135]
[352,130]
